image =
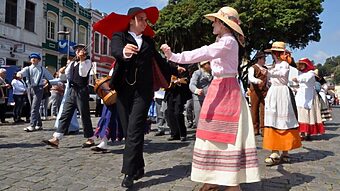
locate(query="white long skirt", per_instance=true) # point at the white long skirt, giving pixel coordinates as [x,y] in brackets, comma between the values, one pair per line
[227,164]
[279,112]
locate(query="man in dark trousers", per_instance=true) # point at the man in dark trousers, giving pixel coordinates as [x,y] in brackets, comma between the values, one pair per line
[176,97]
[138,64]
[77,73]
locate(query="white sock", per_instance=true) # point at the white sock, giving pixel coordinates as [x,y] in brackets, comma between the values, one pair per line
[103,143]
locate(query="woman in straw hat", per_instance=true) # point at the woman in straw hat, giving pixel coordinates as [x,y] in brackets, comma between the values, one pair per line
[307,101]
[281,133]
[225,150]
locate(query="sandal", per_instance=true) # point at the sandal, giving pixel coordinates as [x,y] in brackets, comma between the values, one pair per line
[273,159]
[285,159]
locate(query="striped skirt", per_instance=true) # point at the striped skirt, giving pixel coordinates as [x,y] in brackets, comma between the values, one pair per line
[228,164]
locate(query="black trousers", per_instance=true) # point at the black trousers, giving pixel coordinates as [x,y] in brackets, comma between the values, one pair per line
[3,108]
[19,101]
[76,98]
[176,117]
[133,109]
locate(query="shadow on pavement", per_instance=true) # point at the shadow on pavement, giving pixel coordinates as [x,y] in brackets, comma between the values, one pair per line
[331,128]
[150,147]
[20,145]
[311,155]
[163,176]
[285,182]
[325,137]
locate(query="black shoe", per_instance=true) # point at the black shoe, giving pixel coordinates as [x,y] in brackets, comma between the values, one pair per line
[127,181]
[139,174]
[4,121]
[183,139]
[173,138]
[160,133]
[98,149]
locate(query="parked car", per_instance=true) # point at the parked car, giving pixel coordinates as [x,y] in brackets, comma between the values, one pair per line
[92,101]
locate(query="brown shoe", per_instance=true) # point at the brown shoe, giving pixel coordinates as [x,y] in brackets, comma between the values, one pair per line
[88,143]
[52,142]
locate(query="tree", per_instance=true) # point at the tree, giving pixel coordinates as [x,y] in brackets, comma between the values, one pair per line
[183,27]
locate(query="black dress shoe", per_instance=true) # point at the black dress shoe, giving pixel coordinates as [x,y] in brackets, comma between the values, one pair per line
[98,149]
[139,174]
[173,138]
[127,181]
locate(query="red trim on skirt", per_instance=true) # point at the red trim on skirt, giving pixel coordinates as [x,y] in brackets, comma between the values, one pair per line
[312,129]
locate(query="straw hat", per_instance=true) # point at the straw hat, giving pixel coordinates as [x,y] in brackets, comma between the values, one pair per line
[277,46]
[229,16]
[204,62]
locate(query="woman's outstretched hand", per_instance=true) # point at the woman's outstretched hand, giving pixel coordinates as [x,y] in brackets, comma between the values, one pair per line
[166,50]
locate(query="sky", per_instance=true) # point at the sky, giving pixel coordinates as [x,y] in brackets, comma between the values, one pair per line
[329,44]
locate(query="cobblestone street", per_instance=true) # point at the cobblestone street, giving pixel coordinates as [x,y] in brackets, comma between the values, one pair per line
[27,164]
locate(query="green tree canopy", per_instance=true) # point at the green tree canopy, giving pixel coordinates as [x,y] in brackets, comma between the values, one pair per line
[183,26]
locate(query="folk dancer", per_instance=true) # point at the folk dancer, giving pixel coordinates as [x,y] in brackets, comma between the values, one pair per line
[307,101]
[257,76]
[225,132]
[36,78]
[134,79]
[77,73]
[281,126]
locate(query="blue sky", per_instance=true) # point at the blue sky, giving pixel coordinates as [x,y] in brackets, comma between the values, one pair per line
[328,46]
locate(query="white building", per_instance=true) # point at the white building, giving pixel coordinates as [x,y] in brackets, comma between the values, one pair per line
[22,30]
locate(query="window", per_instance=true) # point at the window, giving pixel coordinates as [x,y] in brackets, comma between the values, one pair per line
[82,35]
[11,12]
[105,44]
[51,25]
[68,26]
[30,16]
[96,43]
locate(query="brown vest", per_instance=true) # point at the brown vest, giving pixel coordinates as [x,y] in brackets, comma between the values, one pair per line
[259,88]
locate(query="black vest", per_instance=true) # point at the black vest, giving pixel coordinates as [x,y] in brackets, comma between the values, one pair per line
[75,79]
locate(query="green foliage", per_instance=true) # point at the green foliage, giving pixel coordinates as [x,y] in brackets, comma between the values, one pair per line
[331,66]
[183,26]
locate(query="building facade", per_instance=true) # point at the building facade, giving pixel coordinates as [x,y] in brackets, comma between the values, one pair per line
[64,15]
[21,30]
[101,48]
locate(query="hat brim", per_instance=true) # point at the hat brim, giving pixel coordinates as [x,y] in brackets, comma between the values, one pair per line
[78,46]
[275,49]
[114,22]
[230,23]
[204,62]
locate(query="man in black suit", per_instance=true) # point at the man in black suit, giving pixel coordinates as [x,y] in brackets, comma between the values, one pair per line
[138,64]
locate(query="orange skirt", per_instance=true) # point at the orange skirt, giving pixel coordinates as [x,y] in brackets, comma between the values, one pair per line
[281,140]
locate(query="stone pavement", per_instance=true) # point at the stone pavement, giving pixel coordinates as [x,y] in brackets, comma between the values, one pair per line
[27,164]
